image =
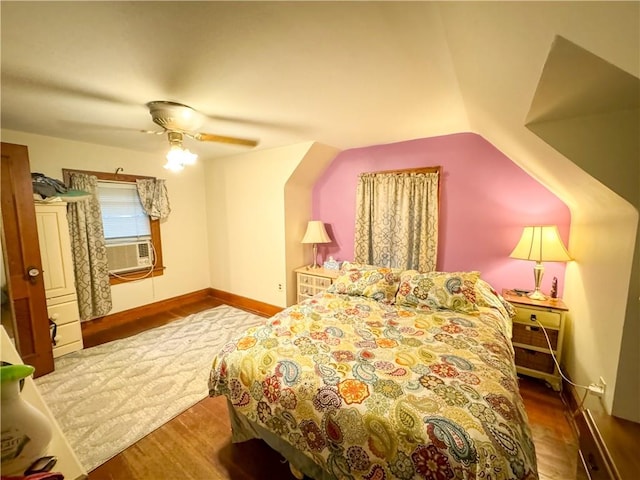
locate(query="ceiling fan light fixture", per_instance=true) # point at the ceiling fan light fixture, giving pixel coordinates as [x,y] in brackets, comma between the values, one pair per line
[173,164]
[178,157]
[189,158]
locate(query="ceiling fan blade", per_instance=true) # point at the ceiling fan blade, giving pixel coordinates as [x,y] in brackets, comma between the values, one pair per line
[210,137]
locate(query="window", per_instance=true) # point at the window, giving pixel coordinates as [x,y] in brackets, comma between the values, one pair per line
[124,219]
[397,218]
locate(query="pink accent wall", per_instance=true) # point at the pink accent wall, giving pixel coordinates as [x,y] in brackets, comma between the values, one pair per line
[485,201]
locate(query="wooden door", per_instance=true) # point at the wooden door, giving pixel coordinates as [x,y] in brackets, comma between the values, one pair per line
[24,267]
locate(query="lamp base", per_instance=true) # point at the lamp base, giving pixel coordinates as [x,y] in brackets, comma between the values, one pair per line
[315,256]
[537,295]
[538,272]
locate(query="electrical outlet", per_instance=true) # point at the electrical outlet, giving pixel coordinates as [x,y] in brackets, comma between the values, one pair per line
[603,384]
[279,287]
[599,388]
[595,390]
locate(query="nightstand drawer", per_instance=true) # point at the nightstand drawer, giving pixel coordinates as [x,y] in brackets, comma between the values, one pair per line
[304,279]
[313,281]
[534,360]
[534,336]
[323,283]
[309,290]
[545,317]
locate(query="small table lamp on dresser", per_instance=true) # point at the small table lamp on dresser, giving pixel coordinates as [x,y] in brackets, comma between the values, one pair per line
[315,234]
[540,243]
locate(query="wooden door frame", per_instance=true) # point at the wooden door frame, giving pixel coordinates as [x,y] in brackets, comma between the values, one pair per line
[21,250]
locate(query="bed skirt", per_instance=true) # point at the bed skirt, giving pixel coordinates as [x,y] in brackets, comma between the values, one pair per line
[242,430]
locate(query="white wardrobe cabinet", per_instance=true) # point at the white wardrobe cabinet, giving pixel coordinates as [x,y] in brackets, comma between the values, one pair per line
[59,280]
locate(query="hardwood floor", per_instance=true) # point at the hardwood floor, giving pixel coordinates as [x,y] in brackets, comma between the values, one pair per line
[555,440]
[196,445]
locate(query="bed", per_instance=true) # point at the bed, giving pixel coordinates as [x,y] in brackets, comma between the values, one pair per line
[388,374]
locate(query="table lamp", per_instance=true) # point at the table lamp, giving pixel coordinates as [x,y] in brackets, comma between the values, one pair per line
[540,244]
[315,234]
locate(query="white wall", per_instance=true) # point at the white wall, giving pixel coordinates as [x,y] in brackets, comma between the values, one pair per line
[184,233]
[498,80]
[246,221]
[596,287]
[298,208]
[602,238]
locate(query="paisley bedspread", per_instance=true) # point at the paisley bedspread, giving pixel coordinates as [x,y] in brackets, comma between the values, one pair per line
[369,390]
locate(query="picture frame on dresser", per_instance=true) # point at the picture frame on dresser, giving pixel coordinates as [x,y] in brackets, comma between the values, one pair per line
[533,319]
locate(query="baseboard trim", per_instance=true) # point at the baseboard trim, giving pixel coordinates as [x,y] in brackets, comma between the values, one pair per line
[133,314]
[254,306]
[127,316]
[615,438]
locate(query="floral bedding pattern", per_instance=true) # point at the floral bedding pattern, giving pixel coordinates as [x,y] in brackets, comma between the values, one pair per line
[370,390]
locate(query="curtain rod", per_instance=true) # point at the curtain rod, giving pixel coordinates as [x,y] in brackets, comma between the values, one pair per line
[412,170]
[104,176]
[124,182]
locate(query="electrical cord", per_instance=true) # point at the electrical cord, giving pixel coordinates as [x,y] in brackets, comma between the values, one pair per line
[587,388]
[584,397]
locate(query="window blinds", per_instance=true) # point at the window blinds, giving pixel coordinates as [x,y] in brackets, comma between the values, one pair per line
[123,217]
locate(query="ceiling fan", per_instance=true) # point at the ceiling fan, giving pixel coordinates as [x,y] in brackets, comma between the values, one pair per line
[178,120]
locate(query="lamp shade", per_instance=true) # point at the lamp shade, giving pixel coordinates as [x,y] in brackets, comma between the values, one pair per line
[541,244]
[316,233]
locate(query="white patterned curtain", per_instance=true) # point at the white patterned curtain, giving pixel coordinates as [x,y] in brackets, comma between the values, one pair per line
[154,197]
[397,220]
[89,251]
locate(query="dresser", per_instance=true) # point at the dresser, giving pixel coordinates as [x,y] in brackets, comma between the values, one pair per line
[311,281]
[533,355]
[58,276]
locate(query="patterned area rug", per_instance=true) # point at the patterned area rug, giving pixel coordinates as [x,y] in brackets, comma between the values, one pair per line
[108,397]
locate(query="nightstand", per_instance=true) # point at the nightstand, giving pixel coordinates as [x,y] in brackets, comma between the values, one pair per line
[533,356]
[312,281]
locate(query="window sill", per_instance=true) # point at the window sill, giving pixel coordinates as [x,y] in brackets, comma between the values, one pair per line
[135,275]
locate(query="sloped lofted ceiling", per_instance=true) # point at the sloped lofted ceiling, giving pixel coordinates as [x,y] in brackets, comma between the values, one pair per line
[347,74]
[344,74]
[589,110]
[499,50]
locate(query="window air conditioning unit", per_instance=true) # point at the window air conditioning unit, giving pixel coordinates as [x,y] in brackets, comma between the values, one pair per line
[125,257]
